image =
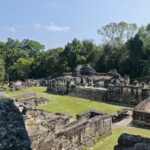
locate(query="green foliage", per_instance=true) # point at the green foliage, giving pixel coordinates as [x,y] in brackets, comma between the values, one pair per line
[20,69]
[33,48]
[117,33]
[126,48]
[2,70]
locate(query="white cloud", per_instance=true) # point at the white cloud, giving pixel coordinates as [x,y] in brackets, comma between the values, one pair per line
[37,26]
[52,27]
[12,30]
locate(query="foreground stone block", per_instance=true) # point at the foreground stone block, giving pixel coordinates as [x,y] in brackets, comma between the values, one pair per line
[132,142]
[13,134]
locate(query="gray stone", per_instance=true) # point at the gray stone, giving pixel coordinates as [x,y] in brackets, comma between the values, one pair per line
[132,142]
[13,134]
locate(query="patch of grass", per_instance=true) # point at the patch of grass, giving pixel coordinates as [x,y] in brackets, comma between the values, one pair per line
[66,104]
[109,142]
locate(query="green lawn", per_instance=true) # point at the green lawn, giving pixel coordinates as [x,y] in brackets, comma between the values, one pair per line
[67,104]
[109,142]
[72,106]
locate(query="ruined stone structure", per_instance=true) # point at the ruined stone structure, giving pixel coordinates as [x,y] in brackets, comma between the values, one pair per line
[57,131]
[141,113]
[132,142]
[85,82]
[28,100]
[49,131]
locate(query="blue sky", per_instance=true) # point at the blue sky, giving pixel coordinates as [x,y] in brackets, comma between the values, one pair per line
[56,22]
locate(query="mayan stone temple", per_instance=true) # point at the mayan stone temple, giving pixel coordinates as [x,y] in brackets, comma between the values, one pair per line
[85,82]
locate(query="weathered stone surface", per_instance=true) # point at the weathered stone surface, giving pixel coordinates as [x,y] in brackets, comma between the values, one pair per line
[13,134]
[29,100]
[58,131]
[141,113]
[132,142]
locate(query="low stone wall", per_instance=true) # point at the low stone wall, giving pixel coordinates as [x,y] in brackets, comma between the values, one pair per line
[28,100]
[125,94]
[132,142]
[97,94]
[141,118]
[84,132]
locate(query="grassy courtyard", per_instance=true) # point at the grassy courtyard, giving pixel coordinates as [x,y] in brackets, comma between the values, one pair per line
[72,106]
[67,104]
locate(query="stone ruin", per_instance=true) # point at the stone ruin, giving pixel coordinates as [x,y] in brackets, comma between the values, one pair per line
[132,142]
[19,85]
[85,82]
[28,100]
[141,113]
[49,131]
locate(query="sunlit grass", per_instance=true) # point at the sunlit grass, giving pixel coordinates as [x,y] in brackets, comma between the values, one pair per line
[67,104]
[109,142]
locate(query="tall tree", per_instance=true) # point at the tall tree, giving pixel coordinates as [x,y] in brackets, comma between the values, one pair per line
[118,33]
[32,47]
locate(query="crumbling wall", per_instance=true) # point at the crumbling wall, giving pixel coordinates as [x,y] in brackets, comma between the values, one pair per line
[83,132]
[141,118]
[56,131]
[141,113]
[124,94]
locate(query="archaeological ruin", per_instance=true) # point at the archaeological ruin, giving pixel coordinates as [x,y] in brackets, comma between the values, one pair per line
[57,131]
[141,114]
[85,82]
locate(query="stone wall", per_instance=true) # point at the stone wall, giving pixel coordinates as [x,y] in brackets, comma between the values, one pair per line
[141,118]
[120,94]
[141,113]
[97,94]
[125,94]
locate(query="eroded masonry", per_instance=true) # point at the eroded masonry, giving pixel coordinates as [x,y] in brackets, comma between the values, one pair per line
[141,114]
[85,82]
[49,131]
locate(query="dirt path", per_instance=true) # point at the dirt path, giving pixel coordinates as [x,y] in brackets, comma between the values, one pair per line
[125,122]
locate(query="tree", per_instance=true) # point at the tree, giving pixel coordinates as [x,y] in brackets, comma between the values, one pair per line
[20,70]
[2,70]
[32,47]
[118,33]
[135,48]
[72,53]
